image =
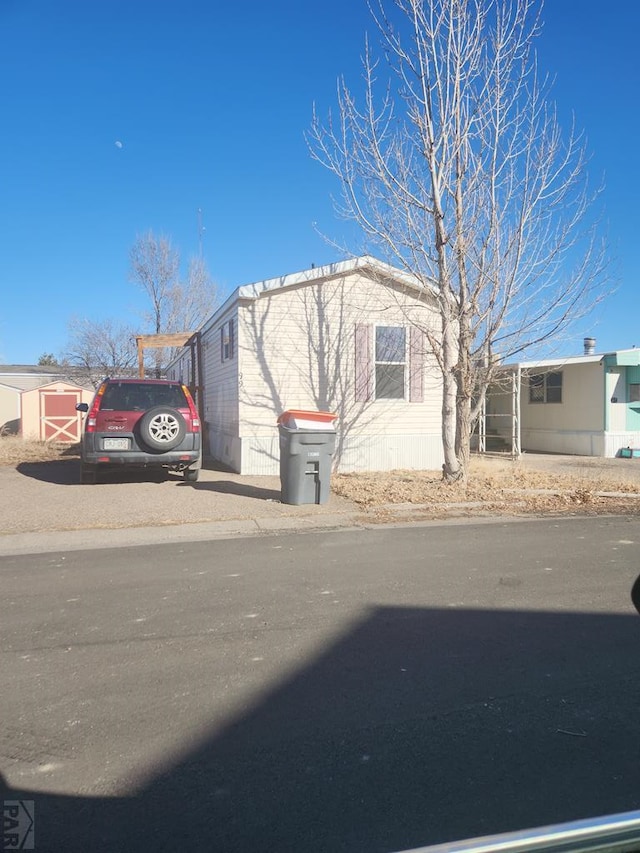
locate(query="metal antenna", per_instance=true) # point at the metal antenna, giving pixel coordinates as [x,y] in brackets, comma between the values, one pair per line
[201,230]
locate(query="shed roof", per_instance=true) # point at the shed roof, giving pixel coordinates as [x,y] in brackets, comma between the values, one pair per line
[68,383]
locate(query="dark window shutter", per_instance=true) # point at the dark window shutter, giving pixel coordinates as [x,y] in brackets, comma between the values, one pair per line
[416,365]
[232,338]
[364,367]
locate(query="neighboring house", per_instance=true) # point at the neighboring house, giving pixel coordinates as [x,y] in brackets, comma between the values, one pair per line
[9,409]
[586,405]
[39,403]
[349,338]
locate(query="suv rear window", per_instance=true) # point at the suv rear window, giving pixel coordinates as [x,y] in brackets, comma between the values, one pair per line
[140,396]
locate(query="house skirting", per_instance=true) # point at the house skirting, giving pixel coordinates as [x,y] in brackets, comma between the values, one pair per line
[578,443]
[255,455]
[614,442]
[569,442]
[224,447]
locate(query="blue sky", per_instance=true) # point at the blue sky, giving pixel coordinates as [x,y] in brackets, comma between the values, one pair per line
[210,102]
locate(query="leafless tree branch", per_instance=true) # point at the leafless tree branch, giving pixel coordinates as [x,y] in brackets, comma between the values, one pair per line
[458,170]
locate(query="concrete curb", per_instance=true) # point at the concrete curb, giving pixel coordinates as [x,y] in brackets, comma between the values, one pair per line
[14,544]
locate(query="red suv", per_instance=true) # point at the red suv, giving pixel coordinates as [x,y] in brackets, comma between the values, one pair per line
[141,422]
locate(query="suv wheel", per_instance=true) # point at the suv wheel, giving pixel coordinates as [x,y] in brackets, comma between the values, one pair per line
[162,428]
[191,474]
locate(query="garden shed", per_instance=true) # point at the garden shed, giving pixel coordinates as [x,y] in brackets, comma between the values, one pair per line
[9,409]
[48,413]
[40,416]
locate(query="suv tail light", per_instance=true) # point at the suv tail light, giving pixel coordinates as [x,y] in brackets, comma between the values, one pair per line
[95,408]
[195,417]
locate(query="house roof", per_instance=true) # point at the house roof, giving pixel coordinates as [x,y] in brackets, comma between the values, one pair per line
[31,370]
[623,356]
[365,263]
[25,377]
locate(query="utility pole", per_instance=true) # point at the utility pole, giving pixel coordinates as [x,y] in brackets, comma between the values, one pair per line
[201,230]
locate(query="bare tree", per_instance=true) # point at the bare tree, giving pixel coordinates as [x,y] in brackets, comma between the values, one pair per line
[459,172]
[100,348]
[155,268]
[176,305]
[191,301]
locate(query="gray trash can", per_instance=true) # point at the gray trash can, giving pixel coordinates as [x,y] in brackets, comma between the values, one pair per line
[305,464]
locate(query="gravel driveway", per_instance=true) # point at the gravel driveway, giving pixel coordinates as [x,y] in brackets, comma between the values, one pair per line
[46,496]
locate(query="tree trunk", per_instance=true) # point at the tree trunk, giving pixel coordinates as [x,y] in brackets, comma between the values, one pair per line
[465,385]
[451,469]
[463,433]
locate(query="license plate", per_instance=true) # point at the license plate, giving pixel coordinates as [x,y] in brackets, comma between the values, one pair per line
[115,443]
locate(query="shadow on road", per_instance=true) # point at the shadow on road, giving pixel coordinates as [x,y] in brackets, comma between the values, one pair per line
[416,727]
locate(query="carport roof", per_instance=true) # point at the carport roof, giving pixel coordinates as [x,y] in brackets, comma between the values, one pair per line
[617,357]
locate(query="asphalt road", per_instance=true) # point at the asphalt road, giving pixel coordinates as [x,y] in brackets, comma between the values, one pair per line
[356,691]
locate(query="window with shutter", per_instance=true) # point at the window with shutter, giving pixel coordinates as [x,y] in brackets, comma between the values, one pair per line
[386,368]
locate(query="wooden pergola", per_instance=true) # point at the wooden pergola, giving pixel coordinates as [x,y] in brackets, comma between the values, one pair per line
[180,339]
[155,342]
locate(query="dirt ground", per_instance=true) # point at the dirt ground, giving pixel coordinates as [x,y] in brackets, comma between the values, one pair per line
[535,484]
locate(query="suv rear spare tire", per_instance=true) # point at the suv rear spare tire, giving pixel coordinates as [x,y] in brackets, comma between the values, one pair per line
[162,428]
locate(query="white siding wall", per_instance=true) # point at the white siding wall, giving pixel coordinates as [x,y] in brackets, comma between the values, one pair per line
[221,394]
[617,388]
[574,426]
[582,406]
[297,351]
[180,369]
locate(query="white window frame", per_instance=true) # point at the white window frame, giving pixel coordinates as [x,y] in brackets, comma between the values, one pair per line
[381,363]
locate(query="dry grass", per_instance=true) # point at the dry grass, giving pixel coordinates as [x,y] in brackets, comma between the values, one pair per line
[495,486]
[14,450]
